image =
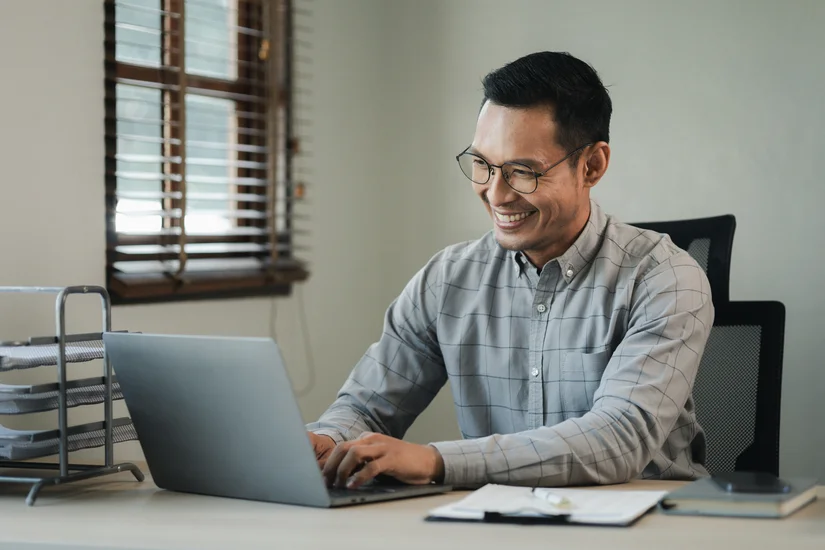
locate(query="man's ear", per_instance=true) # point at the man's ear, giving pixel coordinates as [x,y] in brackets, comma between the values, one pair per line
[596,159]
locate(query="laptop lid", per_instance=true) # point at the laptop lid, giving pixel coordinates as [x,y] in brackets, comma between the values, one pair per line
[217,416]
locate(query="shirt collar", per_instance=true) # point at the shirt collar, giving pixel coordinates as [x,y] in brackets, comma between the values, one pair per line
[580,253]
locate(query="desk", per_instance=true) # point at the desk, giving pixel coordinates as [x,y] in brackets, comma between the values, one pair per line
[118,512]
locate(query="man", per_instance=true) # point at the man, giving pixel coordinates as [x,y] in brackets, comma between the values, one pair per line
[571,341]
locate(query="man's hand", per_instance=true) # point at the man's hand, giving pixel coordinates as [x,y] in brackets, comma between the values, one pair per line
[323,446]
[353,463]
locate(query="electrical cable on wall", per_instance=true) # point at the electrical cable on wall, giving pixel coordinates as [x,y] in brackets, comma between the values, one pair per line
[273,311]
[309,359]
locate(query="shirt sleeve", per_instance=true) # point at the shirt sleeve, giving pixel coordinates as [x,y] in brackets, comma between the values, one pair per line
[642,394]
[400,374]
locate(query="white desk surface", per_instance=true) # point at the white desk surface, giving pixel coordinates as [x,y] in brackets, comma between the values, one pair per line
[119,512]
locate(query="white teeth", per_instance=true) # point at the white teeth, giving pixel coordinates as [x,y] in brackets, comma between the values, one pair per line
[513,217]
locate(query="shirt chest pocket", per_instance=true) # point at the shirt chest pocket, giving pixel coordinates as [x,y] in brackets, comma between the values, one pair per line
[581,374]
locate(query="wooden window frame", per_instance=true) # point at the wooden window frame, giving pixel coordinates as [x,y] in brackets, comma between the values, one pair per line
[266,125]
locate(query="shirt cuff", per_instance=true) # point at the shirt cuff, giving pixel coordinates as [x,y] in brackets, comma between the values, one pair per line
[334,434]
[464,463]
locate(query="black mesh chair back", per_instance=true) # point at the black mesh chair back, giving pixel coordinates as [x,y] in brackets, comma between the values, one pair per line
[738,388]
[709,241]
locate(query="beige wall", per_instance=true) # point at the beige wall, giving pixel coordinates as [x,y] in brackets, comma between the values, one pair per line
[717,109]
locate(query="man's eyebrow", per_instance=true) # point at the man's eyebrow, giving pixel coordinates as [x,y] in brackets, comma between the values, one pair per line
[533,163]
[528,162]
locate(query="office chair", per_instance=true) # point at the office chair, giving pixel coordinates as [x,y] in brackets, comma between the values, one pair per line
[738,389]
[709,241]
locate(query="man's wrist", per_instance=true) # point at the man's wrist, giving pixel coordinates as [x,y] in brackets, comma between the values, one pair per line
[334,435]
[438,467]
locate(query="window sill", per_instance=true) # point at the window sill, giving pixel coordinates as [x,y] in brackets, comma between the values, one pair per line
[153,288]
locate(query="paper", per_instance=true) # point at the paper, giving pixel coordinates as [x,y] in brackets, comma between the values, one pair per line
[602,507]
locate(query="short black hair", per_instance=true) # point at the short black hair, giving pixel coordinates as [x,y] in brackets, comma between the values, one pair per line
[572,89]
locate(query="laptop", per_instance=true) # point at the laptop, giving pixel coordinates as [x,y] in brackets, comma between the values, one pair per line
[217,416]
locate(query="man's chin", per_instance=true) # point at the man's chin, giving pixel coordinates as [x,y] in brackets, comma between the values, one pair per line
[508,241]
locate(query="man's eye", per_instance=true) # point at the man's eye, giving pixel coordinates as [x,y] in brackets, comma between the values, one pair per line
[479,163]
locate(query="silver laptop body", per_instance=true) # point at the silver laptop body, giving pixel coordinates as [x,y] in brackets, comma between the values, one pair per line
[217,416]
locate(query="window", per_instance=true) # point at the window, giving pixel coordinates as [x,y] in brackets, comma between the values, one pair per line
[199,197]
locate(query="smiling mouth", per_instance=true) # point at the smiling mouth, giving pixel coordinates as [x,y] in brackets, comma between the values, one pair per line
[512,218]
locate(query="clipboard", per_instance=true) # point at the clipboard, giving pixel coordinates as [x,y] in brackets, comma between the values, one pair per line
[539,506]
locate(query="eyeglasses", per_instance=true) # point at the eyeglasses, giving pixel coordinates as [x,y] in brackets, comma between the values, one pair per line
[519,176]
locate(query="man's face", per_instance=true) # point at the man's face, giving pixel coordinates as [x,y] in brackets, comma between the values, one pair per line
[549,219]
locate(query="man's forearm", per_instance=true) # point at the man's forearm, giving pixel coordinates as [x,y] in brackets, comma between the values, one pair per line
[598,448]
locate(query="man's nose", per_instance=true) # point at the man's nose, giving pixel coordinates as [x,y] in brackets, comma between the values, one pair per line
[498,191]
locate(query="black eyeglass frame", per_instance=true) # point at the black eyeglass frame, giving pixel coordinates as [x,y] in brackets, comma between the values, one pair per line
[490,167]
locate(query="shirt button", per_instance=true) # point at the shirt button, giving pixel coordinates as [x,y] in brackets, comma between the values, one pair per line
[569,272]
[541,308]
[534,372]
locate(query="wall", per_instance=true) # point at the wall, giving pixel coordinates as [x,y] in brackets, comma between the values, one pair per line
[717,108]
[52,210]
